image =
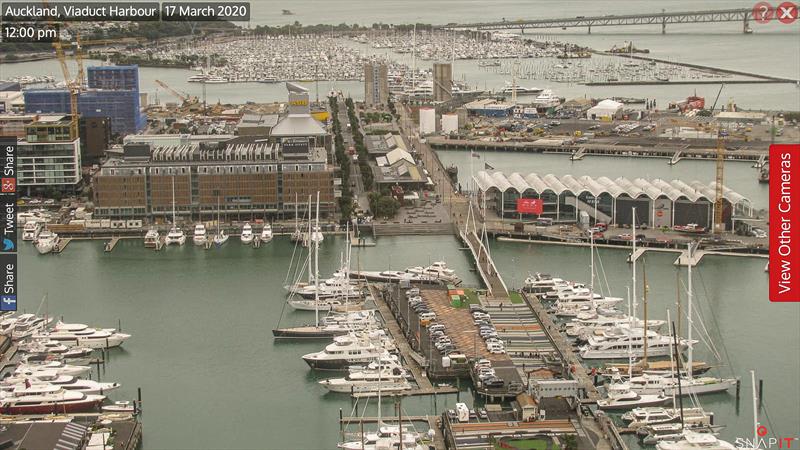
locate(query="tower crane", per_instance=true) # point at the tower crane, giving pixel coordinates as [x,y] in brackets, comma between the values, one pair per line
[719,204]
[73,86]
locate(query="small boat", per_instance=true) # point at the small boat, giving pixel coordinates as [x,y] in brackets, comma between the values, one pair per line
[691,228]
[200,236]
[124,406]
[46,242]
[151,238]
[266,233]
[247,234]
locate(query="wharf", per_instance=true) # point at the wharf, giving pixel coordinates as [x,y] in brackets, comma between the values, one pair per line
[591,149]
[111,244]
[61,244]
[412,363]
[564,348]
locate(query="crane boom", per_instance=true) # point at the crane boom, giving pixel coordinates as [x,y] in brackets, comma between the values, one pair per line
[70,83]
[177,94]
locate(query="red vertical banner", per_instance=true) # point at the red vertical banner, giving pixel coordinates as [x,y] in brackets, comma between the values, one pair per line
[529,206]
[784,223]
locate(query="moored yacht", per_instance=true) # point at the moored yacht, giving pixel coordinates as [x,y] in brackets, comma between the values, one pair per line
[247,234]
[619,342]
[436,270]
[31,230]
[266,233]
[89,337]
[151,238]
[343,352]
[667,384]
[621,397]
[47,400]
[692,440]
[46,241]
[220,238]
[200,236]
[175,236]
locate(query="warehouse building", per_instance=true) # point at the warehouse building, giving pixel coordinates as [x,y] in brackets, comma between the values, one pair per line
[244,177]
[659,203]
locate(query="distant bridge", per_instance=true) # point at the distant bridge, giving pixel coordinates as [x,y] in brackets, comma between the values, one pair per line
[663,18]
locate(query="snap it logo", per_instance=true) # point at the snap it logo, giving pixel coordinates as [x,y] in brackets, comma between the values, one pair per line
[762,441]
[786,12]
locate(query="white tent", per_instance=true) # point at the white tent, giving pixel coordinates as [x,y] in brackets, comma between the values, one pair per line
[606,108]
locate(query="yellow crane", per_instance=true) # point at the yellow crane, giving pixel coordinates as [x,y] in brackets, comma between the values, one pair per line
[79,44]
[72,86]
[182,97]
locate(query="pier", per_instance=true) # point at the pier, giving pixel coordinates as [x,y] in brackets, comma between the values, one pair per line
[742,15]
[577,152]
[564,348]
[111,244]
[61,244]
[425,387]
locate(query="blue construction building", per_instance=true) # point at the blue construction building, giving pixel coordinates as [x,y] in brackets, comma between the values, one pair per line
[113,93]
[113,77]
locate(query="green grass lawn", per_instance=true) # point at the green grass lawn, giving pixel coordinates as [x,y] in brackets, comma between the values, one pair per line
[515,297]
[472,296]
[526,444]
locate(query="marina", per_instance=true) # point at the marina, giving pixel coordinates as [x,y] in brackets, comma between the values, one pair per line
[459,227]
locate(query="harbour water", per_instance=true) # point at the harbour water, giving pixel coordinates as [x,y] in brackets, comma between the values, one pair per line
[212,376]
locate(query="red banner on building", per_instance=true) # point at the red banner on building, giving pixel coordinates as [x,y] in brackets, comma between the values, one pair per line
[529,206]
[784,223]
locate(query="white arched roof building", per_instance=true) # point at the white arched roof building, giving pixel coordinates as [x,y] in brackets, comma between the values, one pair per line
[498,184]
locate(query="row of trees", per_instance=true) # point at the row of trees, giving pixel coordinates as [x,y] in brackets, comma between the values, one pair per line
[346,200]
[361,149]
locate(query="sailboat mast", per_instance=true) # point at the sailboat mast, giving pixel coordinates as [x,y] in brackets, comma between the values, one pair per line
[755,409]
[173,201]
[316,265]
[633,261]
[631,320]
[675,377]
[678,365]
[689,298]
[644,324]
[591,267]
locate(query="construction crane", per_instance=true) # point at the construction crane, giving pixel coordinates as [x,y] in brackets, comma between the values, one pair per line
[72,86]
[716,99]
[184,98]
[79,44]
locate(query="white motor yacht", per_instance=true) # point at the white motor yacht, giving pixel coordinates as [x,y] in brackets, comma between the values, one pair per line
[68,383]
[693,440]
[437,270]
[653,415]
[89,337]
[46,241]
[619,343]
[266,233]
[151,238]
[369,380]
[343,352]
[200,236]
[542,283]
[56,367]
[247,234]
[621,397]
[667,384]
[31,230]
[547,99]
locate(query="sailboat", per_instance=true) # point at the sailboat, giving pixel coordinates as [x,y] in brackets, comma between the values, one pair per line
[175,235]
[690,385]
[619,394]
[221,237]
